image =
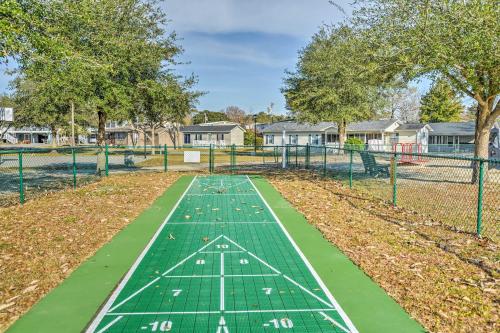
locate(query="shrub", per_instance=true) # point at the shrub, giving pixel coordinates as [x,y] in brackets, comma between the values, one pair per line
[354,143]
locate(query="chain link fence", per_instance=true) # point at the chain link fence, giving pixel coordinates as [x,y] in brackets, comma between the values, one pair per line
[461,192]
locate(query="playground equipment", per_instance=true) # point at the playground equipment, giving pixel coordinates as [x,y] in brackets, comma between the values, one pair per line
[411,153]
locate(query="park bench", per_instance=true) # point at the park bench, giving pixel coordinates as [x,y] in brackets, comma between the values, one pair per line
[371,166]
[128,157]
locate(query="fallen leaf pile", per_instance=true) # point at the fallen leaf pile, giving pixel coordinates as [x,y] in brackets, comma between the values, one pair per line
[447,280]
[42,242]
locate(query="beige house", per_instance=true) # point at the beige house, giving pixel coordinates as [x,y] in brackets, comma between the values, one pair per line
[217,133]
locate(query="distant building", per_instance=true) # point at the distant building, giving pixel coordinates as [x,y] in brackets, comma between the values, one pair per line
[452,133]
[383,132]
[217,133]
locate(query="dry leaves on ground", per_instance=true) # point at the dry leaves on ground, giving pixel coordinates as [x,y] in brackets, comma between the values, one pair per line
[43,241]
[448,281]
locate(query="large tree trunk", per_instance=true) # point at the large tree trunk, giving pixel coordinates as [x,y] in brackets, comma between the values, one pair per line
[342,132]
[54,137]
[481,138]
[101,142]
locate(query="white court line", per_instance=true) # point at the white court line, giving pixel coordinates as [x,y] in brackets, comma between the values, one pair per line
[191,255]
[111,300]
[218,222]
[221,252]
[341,312]
[214,312]
[334,322]
[253,255]
[163,274]
[221,194]
[222,281]
[134,294]
[281,310]
[307,291]
[162,313]
[216,276]
[114,321]
[285,276]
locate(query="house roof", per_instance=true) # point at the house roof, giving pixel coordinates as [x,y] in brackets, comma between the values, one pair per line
[411,127]
[293,126]
[210,128]
[363,126]
[463,128]
[370,125]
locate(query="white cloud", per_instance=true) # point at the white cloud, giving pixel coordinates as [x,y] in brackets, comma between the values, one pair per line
[211,47]
[299,18]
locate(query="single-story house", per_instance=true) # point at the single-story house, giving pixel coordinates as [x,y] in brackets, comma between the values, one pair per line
[381,132]
[218,133]
[452,133]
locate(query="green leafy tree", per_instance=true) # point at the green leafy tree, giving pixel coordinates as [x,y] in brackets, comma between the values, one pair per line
[21,26]
[164,103]
[440,104]
[117,43]
[249,139]
[331,82]
[457,40]
[209,116]
[37,106]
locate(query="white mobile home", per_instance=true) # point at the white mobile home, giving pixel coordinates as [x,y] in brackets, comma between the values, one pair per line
[385,132]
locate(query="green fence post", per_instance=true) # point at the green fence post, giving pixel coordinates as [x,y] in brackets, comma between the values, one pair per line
[210,152]
[73,153]
[296,156]
[232,158]
[308,155]
[107,160]
[324,160]
[395,180]
[21,179]
[165,158]
[350,168]
[480,199]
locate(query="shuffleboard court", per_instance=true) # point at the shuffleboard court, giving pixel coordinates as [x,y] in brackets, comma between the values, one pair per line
[221,262]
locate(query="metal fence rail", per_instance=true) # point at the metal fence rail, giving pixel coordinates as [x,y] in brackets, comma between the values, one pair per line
[461,192]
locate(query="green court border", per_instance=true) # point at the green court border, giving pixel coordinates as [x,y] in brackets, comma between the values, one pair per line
[70,307]
[368,306]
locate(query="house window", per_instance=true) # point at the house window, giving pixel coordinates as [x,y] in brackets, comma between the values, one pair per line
[293,139]
[270,139]
[314,139]
[220,137]
[198,136]
[187,139]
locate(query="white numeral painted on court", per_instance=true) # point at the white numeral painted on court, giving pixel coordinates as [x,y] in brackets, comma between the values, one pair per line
[280,323]
[244,261]
[200,262]
[222,246]
[267,290]
[163,326]
[176,292]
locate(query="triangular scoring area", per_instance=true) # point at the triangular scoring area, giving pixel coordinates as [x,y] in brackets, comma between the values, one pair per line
[220,257]
[285,292]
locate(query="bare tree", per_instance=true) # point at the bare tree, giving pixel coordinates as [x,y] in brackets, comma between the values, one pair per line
[403,104]
[235,114]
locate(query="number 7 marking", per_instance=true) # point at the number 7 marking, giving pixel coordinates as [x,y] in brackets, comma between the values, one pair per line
[176,292]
